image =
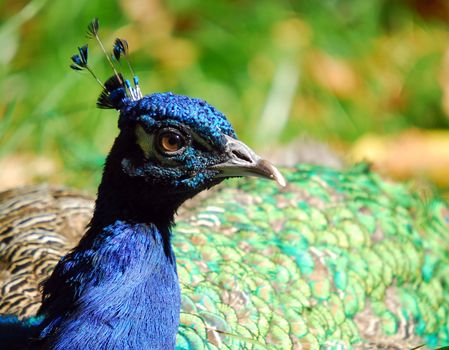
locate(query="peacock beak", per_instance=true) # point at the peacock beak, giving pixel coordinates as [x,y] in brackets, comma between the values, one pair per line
[243,161]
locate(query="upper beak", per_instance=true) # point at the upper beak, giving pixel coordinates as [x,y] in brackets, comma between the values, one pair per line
[243,161]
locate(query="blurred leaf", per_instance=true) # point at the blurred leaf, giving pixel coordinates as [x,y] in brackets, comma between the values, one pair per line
[9,31]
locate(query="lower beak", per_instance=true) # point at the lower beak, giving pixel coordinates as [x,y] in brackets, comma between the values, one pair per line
[243,161]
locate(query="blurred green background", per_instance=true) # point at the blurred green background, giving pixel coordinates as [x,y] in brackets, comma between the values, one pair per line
[368,77]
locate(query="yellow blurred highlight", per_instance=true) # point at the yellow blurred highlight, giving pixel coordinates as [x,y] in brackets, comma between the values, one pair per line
[411,154]
[27,169]
[291,34]
[334,74]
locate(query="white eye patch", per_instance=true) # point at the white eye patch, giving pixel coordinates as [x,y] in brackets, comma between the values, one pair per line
[144,140]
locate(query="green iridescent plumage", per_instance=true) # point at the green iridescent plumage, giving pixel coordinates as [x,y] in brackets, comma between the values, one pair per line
[335,260]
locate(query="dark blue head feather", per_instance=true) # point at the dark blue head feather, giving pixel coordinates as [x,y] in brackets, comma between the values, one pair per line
[153,109]
[120,48]
[114,94]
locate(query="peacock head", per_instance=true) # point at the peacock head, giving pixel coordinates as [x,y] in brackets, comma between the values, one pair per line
[179,144]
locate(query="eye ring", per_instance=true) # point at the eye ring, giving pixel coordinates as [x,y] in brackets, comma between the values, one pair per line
[171,141]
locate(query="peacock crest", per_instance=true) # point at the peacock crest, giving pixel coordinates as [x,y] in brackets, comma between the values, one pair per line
[117,91]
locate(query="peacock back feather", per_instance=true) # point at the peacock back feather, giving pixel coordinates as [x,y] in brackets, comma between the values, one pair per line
[336,259]
[38,224]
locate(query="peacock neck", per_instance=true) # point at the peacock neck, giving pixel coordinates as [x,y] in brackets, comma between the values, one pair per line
[118,289]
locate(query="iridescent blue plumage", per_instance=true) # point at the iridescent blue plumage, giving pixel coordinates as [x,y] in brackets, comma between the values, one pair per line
[195,113]
[118,289]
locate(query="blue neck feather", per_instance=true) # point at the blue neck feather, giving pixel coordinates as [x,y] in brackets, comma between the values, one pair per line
[120,290]
[119,287]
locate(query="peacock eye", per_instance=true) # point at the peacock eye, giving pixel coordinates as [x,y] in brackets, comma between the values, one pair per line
[171,141]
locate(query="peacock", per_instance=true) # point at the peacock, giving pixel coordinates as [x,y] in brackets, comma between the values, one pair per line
[324,259]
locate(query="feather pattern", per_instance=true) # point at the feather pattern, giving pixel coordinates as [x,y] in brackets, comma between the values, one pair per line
[92,28]
[120,48]
[335,260]
[38,224]
[80,60]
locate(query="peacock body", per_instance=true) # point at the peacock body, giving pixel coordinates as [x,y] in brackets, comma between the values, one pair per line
[334,260]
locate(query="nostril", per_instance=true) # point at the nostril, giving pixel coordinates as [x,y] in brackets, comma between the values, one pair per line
[241,155]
